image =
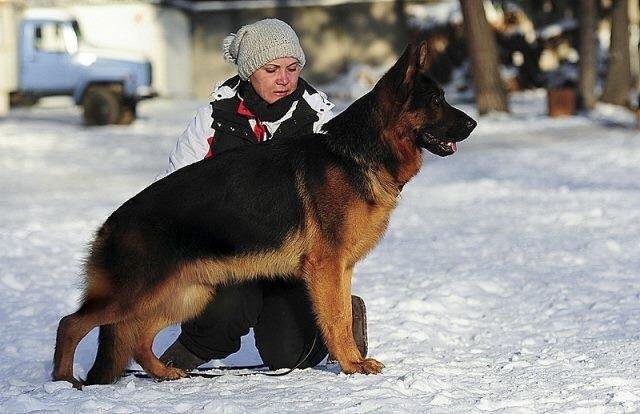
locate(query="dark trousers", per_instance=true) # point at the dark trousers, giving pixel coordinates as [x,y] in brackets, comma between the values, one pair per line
[280,313]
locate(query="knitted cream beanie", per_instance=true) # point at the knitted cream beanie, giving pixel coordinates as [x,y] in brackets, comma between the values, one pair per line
[259,43]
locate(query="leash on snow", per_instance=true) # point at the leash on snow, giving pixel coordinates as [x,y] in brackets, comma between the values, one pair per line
[203,372]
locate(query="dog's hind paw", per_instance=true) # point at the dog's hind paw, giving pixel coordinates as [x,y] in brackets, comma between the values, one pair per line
[365,366]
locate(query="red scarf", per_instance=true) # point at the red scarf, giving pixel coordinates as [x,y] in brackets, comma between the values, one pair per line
[259,130]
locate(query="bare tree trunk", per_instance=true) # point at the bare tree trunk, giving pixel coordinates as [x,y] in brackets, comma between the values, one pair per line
[588,62]
[490,93]
[618,81]
[634,40]
[402,37]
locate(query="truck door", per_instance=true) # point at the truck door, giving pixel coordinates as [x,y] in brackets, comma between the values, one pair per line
[47,65]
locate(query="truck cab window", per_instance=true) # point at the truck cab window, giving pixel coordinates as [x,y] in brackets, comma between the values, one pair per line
[49,37]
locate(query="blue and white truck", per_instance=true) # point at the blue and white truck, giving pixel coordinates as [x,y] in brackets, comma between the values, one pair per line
[53,59]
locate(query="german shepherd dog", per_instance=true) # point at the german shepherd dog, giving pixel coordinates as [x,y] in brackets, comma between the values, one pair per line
[310,206]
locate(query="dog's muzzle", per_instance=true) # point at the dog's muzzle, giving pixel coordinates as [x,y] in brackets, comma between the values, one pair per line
[445,146]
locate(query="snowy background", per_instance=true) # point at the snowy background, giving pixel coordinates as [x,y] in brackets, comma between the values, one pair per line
[509,279]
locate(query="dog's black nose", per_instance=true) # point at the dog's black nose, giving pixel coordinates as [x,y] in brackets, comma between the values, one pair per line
[471,124]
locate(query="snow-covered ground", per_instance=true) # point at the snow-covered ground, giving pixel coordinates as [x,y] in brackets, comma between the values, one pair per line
[509,279]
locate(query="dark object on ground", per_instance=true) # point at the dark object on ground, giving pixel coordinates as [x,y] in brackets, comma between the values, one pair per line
[561,101]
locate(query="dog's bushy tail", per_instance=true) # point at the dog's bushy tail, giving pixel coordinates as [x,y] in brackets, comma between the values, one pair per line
[112,358]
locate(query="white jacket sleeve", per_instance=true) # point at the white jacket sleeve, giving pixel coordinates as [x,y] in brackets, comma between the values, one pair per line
[193,144]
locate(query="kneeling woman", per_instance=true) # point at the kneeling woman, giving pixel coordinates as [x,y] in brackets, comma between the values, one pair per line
[266,100]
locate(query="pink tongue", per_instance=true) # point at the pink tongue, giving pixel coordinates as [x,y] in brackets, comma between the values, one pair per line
[454,147]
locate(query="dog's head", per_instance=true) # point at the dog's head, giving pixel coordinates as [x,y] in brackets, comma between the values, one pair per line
[422,111]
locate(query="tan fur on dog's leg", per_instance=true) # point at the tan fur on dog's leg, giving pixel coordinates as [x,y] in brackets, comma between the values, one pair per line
[330,291]
[143,353]
[71,330]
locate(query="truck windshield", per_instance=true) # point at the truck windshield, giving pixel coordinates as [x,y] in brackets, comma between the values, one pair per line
[72,37]
[76,28]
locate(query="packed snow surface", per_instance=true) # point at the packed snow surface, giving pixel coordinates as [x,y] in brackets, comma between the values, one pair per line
[508,281]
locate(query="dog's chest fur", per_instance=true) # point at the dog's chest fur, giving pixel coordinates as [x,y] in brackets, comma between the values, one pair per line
[349,221]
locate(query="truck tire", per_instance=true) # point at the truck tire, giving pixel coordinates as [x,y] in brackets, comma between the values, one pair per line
[101,106]
[128,113]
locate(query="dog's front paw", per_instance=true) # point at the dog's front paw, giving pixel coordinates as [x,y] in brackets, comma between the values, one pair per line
[171,373]
[74,382]
[364,366]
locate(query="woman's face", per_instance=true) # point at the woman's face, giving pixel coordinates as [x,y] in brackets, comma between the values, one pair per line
[276,79]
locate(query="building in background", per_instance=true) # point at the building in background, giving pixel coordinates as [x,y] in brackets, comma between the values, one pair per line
[334,33]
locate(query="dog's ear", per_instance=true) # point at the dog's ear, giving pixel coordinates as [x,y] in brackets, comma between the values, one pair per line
[408,67]
[398,81]
[423,56]
[403,73]
[417,61]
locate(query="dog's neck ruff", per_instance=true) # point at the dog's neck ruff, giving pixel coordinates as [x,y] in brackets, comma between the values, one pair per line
[355,134]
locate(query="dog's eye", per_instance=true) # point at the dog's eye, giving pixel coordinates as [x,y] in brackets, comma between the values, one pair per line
[436,100]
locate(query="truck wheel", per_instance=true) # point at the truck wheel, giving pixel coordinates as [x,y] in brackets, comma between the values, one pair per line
[128,113]
[101,106]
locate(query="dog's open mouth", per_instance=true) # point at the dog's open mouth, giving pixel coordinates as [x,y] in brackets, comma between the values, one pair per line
[436,145]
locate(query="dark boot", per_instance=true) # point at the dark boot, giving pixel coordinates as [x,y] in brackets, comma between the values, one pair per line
[359,326]
[178,356]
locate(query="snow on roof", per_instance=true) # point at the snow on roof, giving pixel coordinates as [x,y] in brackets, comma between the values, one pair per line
[48,14]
